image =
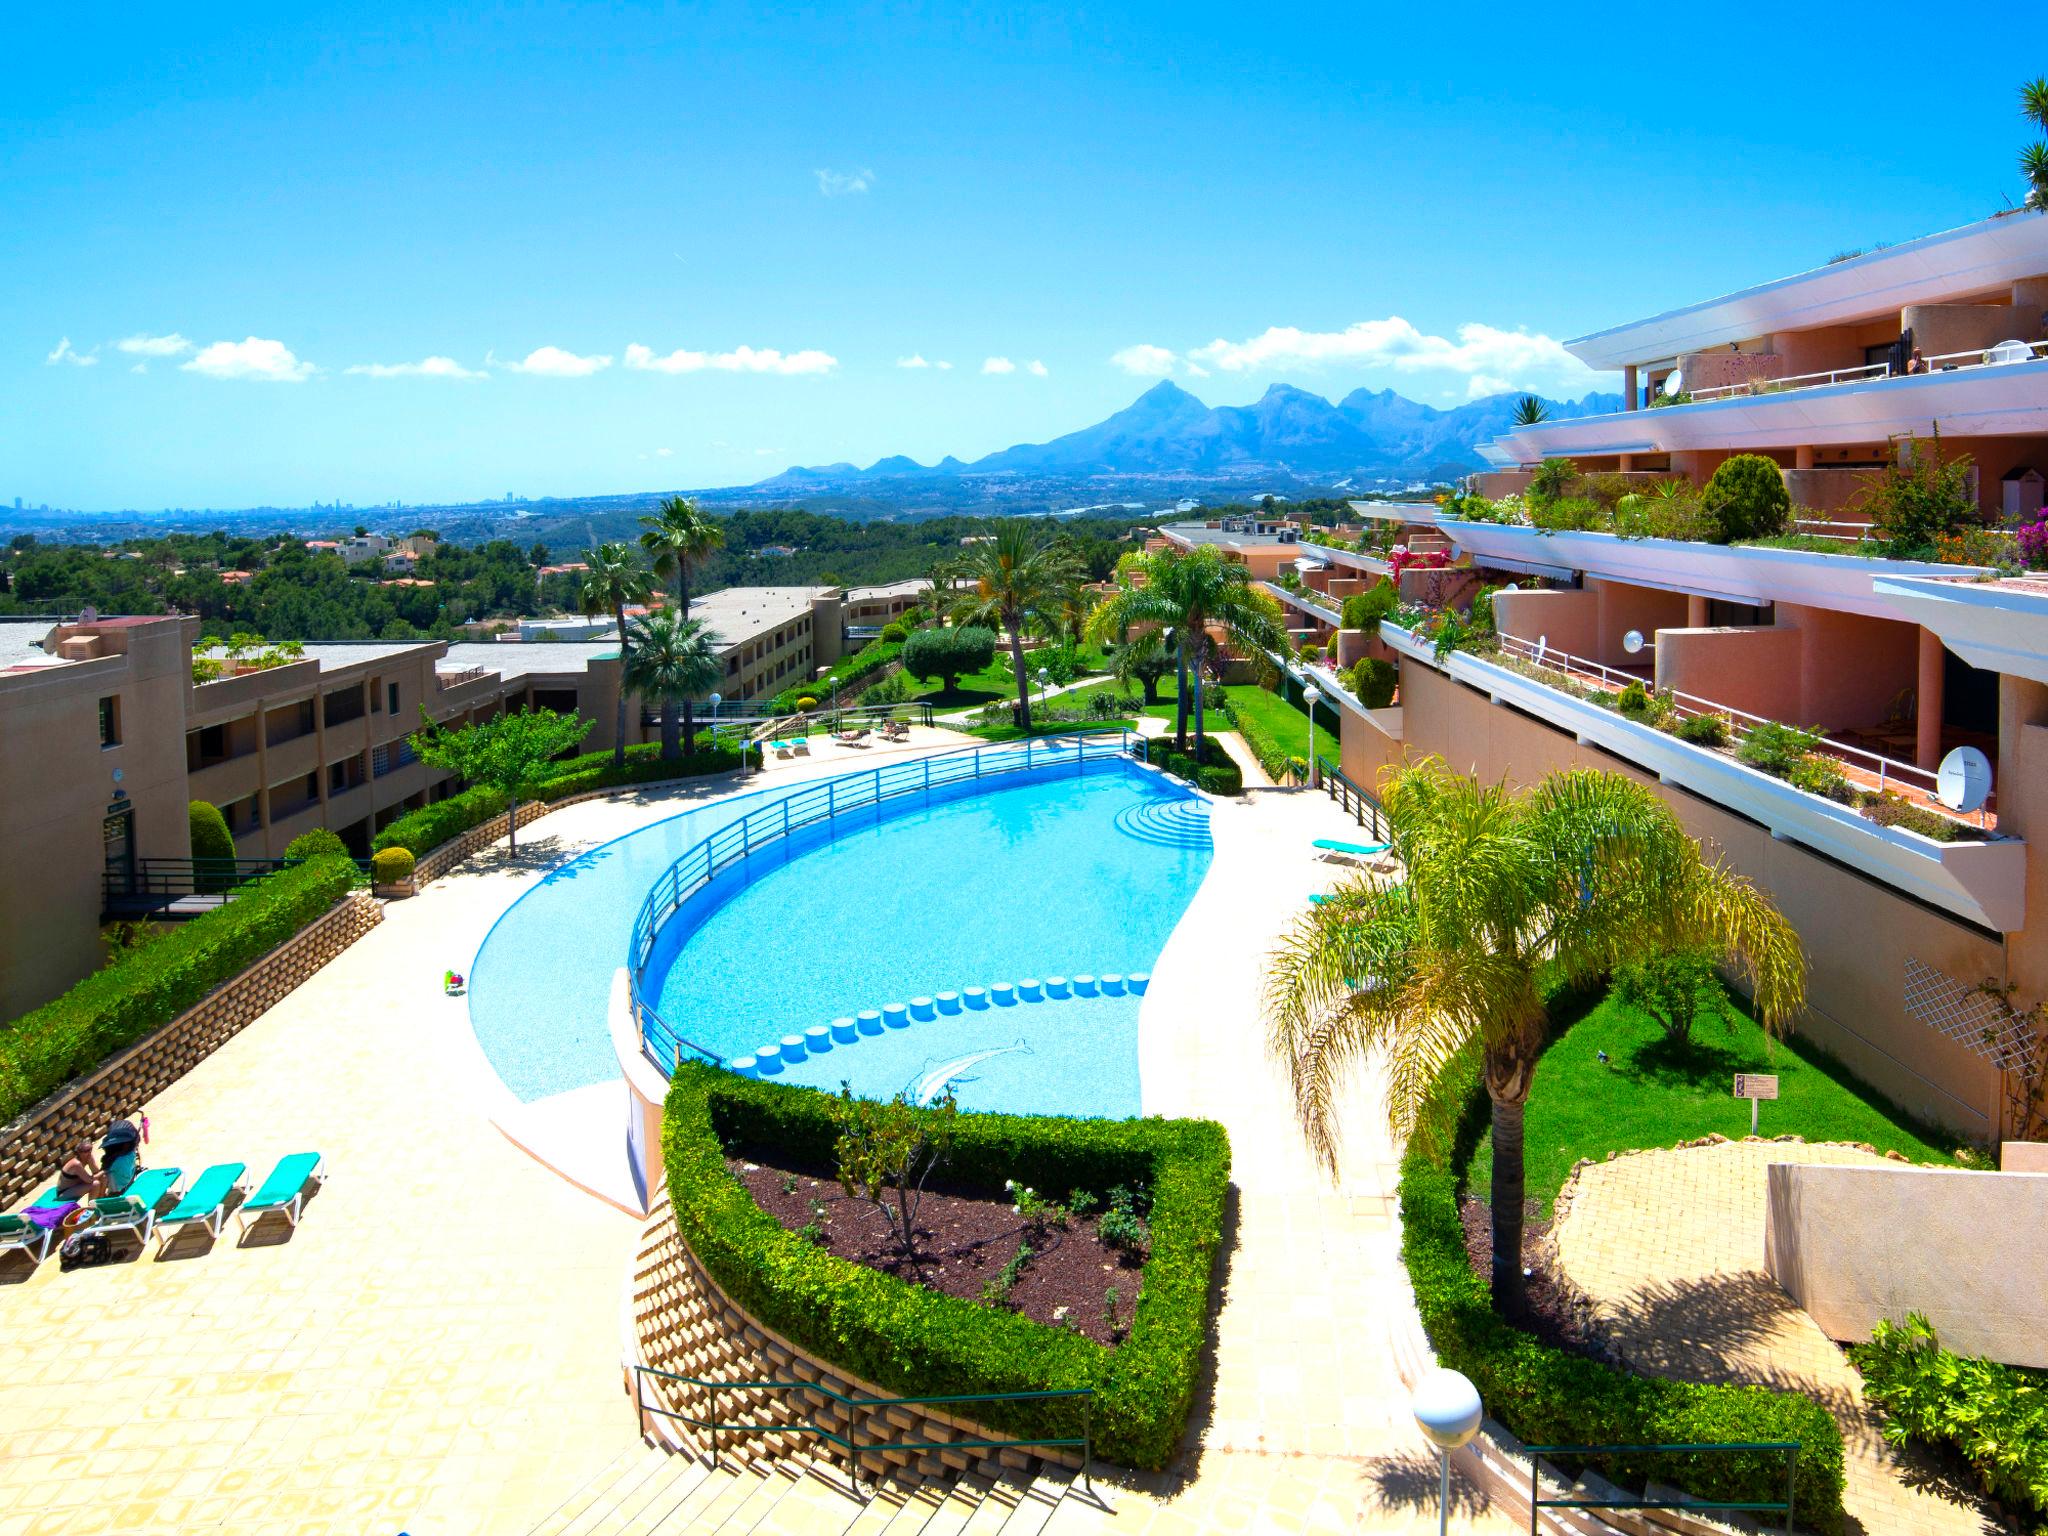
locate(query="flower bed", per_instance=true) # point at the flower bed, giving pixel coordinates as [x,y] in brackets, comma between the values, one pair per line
[917,1341]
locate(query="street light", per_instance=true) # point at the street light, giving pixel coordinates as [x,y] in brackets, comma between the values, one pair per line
[1312,696]
[1448,1411]
[1044,684]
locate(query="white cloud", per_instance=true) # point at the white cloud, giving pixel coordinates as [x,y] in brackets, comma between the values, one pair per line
[554,363]
[1145,360]
[739,360]
[141,345]
[840,183]
[140,368]
[664,453]
[64,352]
[426,368]
[1480,385]
[943,367]
[1508,359]
[916,360]
[1035,368]
[998,365]
[253,358]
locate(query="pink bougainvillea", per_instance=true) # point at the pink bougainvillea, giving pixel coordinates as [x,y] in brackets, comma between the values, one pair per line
[1405,559]
[2033,543]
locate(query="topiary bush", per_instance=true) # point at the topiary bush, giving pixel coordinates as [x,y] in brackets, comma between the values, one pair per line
[315,844]
[1373,682]
[895,632]
[391,866]
[1746,499]
[946,653]
[212,845]
[919,1342]
[1364,610]
[148,987]
[1215,771]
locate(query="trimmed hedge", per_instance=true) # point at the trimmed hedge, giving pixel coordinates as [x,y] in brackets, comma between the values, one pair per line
[1217,771]
[1549,1397]
[148,987]
[427,828]
[314,844]
[841,675]
[391,866]
[918,1342]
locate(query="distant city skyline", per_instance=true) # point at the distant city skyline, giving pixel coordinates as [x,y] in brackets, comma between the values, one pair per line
[589,251]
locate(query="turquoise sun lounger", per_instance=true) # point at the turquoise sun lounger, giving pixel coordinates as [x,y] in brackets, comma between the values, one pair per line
[285,1190]
[1357,850]
[205,1202]
[18,1231]
[134,1209]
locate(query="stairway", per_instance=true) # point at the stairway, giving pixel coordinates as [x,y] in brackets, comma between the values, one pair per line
[657,1493]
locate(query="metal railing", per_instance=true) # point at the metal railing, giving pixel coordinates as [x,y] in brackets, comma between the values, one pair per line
[820,804]
[1889,770]
[167,879]
[1944,362]
[1360,804]
[1305,598]
[866,1407]
[1788,1448]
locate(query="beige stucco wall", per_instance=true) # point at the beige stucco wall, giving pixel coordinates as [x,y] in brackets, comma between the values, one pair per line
[1753,670]
[1589,623]
[1942,328]
[1815,666]
[1857,1245]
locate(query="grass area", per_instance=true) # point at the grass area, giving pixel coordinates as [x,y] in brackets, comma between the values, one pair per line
[993,684]
[1264,713]
[1213,717]
[1652,1093]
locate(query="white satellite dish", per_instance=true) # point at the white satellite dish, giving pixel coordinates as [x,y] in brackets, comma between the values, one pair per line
[2010,352]
[1674,383]
[1510,587]
[1963,781]
[1632,642]
[88,614]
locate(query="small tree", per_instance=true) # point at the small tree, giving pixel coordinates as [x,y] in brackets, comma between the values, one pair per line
[1919,496]
[1374,680]
[886,1149]
[1675,989]
[1531,411]
[1552,479]
[1746,499]
[510,753]
[1143,659]
[1364,610]
[946,653]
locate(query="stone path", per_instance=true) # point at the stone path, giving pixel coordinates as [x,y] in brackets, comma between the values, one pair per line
[1669,1247]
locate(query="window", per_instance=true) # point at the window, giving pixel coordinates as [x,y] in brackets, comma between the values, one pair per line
[110,721]
[376,699]
[391,693]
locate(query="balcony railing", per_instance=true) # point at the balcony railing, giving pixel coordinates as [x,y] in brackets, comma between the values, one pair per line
[1946,362]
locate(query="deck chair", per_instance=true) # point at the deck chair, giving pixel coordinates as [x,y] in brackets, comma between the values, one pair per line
[285,1190]
[205,1202]
[1359,855]
[134,1209]
[18,1232]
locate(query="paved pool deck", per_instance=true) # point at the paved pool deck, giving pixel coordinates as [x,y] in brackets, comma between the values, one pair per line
[435,1348]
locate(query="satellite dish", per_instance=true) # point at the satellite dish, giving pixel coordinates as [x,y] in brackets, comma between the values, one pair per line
[1674,383]
[2010,352]
[88,614]
[1510,587]
[1632,642]
[1963,781]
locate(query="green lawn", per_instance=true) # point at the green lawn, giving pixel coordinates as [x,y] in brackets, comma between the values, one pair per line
[1213,717]
[1650,1093]
[994,683]
[1267,714]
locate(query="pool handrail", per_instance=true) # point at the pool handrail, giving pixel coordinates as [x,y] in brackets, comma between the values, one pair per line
[824,800]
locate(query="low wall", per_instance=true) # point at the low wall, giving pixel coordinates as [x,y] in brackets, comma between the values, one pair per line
[33,1147]
[1854,1246]
[679,1320]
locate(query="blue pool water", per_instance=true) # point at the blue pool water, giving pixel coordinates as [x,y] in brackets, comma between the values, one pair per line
[1059,877]
[1063,877]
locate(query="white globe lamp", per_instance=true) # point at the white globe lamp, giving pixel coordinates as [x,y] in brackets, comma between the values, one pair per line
[1312,696]
[1448,1411]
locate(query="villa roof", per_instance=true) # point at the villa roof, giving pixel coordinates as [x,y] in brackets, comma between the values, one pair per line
[738,614]
[21,643]
[513,661]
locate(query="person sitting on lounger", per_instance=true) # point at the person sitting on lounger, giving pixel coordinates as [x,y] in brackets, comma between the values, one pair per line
[81,1178]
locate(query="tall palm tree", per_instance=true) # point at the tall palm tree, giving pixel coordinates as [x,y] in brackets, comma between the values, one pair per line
[677,536]
[1189,594]
[1014,580]
[673,660]
[2034,158]
[1507,894]
[614,580]
[1530,411]
[938,586]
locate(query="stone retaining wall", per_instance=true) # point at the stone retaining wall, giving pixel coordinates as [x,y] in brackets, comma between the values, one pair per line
[680,1320]
[32,1148]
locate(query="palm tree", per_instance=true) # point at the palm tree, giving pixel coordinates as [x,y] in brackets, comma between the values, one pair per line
[938,587]
[1013,580]
[1507,894]
[1530,411]
[2034,158]
[1188,594]
[676,537]
[673,660]
[614,580]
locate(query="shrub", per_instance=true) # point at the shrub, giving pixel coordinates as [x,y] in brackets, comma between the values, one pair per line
[2032,542]
[915,1341]
[946,653]
[1746,498]
[1994,1416]
[314,844]
[1703,730]
[1551,479]
[1545,1395]
[1777,749]
[1061,663]
[840,676]
[1918,497]
[213,844]
[1819,774]
[1634,701]
[895,632]
[1373,681]
[148,987]
[805,701]
[1217,772]
[1675,989]
[1364,610]
[391,866]
[1892,810]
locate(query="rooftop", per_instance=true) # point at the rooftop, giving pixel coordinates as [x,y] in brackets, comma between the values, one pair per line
[738,614]
[509,661]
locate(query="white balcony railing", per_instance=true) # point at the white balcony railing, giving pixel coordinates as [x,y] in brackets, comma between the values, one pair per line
[1947,362]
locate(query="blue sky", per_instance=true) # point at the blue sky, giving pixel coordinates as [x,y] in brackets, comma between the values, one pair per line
[651,248]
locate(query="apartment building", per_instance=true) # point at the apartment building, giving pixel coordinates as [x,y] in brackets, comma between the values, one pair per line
[1911,881]
[773,637]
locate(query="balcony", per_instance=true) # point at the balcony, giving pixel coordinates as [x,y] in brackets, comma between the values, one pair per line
[1314,604]
[1981,882]
[2000,626]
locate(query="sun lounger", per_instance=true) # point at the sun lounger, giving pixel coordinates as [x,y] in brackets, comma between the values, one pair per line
[18,1231]
[135,1209]
[285,1190]
[205,1202]
[1374,855]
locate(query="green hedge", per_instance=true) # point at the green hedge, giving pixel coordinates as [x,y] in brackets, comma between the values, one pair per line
[430,826]
[841,675]
[918,1342]
[1217,771]
[147,988]
[1549,1397]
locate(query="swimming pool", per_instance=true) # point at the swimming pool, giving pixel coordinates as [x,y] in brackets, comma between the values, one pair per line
[1021,877]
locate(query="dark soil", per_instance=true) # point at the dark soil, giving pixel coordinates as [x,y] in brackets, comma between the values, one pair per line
[1555,1315]
[964,1239]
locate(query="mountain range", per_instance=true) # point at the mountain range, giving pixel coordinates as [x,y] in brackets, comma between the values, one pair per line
[1368,435]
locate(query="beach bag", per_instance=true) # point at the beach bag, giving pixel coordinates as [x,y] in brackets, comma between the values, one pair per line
[84,1250]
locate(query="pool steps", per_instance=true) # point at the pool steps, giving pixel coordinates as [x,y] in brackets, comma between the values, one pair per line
[768,1060]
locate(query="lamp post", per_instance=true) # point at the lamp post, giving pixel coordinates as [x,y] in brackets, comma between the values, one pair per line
[1448,1411]
[1312,696]
[1044,682]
